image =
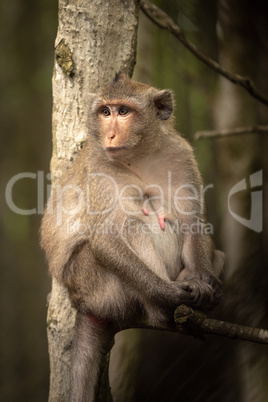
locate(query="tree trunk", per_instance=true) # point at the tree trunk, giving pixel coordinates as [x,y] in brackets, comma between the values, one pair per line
[94,41]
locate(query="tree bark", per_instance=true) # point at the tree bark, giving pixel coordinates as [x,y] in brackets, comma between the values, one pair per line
[94,41]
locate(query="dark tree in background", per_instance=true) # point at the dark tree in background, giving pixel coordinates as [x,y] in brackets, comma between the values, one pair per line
[244,49]
[146,365]
[27,32]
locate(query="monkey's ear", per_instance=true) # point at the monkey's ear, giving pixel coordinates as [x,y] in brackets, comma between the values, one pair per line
[164,104]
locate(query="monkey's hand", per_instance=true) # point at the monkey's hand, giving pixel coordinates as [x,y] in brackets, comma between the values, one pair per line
[205,290]
[182,294]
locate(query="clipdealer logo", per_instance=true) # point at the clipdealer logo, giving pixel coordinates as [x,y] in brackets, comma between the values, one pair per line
[253,184]
[256,201]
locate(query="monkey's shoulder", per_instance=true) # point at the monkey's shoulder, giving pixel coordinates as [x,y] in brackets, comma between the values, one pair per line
[178,157]
[178,144]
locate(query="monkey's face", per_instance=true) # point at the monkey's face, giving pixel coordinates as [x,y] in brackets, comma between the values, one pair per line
[120,127]
[127,117]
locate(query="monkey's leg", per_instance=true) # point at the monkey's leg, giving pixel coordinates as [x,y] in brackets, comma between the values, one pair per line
[124,262]
[200,276]
[91,343]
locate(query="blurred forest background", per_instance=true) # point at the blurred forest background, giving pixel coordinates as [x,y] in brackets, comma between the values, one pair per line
[236,34]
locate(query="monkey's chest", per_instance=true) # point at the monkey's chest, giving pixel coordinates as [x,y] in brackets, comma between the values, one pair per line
[153,235]
[159,248]
[150,227]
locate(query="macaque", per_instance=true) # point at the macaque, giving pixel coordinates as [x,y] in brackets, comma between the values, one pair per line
[124,230]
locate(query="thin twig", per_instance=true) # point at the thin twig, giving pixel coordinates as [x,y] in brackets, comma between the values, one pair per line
[160,18]
[197,324]
[227,133]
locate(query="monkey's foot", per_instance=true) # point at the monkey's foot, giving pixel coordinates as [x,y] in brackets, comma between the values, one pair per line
[203,294]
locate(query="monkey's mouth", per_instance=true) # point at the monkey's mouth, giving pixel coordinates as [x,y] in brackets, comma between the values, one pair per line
[114,149]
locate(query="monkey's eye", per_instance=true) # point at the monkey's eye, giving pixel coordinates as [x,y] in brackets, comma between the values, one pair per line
[123,111]
[105,112]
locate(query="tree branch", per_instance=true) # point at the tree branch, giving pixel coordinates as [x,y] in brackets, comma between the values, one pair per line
[160,18]
[197,324]
[227,133]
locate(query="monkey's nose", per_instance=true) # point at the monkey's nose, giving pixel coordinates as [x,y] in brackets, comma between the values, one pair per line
[111,136]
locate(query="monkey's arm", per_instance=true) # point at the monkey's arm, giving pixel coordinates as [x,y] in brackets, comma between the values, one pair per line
[203,266]
[119,257]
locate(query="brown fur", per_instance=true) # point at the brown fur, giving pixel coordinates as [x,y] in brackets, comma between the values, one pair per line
[118,263]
